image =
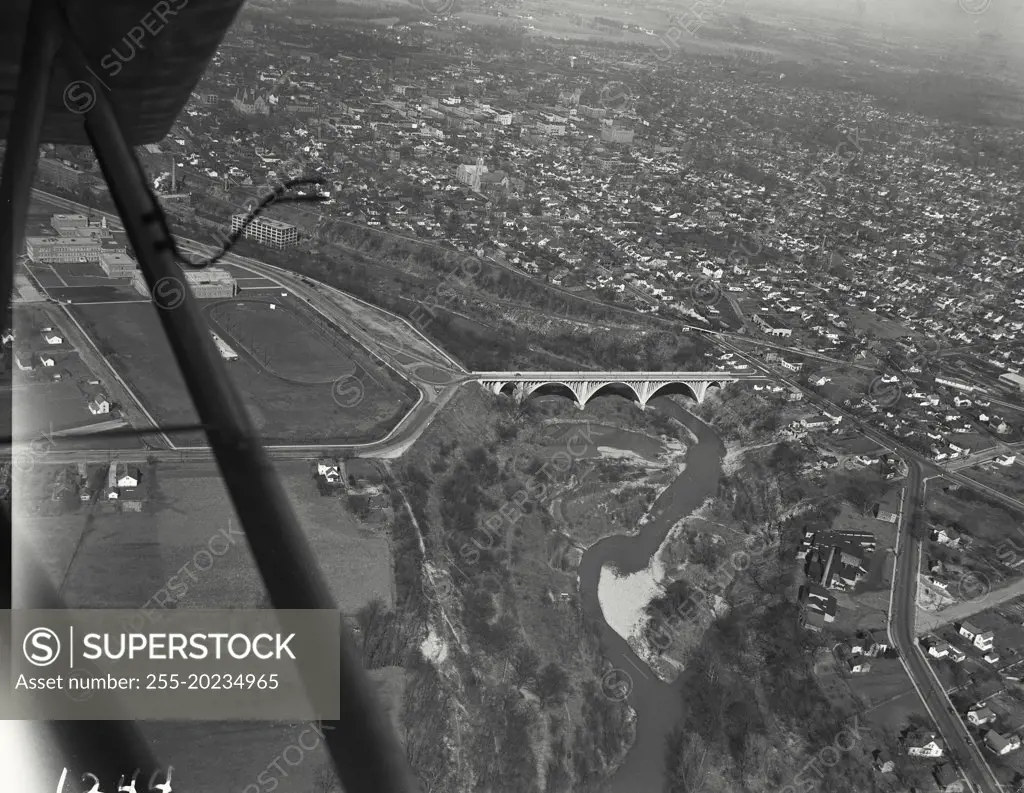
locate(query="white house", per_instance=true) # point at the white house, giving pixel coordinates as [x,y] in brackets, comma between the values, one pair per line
[329,470]
[967,630]
[947,535]
[923,745]
[99,404]
[130,478]
[939,650]
[980,714]
[983,641]
[52,338]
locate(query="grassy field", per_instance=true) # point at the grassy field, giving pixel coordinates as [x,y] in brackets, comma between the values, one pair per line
[44,274]
[281,340]
[104,559]
[43,404]
[101,559]
[877,326]
[987,524]
[1007,479]
[236,753]
[133,341]
[993,529]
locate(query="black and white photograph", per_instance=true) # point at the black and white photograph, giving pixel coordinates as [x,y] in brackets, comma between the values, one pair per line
[512,396]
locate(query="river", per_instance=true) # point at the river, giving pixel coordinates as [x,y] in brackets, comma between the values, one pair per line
[656,703]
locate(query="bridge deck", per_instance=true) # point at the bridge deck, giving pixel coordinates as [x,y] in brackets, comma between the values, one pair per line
[614,375]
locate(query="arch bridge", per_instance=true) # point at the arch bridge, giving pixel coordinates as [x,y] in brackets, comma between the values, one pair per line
[584,386]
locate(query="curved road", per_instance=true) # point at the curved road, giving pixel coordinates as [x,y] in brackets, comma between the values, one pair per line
[902,614]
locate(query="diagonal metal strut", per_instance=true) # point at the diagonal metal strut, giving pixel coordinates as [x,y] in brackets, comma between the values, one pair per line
[362,745]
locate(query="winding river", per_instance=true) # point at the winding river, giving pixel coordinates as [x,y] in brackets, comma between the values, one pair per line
[656,703]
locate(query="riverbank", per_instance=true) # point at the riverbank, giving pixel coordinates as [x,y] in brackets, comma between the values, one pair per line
[634,560]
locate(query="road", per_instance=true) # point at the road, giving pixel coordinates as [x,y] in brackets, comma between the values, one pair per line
[929,621]
[902,616]
[960,746]
[903,611]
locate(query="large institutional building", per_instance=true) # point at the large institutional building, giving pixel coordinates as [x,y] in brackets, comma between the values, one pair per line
[117,265]
[206,284]
[617,135]
[267,231]
[63,250]
[78,240]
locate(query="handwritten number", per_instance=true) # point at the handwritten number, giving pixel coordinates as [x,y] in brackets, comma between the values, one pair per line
[89,776]
[165,786]
[123,788]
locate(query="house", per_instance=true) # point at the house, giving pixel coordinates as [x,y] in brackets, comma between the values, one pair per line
[815,423]
[983,641]
[52,338]
[858,666]
[1001,744]
[888,509]
[844,568]
[882,762]
[329,471]
[947,778]
[980,714]
[967,630]
[128,478]
[46,360]
[878,643]
[99,404]
[121,477]
[956,654]
[939,650]
[816,598]
[947,535]
[921,743]
[869,644]
[992,658]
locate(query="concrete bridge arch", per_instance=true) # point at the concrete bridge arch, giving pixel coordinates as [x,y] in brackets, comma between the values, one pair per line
[642,388]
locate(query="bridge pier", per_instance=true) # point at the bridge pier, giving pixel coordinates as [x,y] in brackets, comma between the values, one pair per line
[700,390]
[639,404]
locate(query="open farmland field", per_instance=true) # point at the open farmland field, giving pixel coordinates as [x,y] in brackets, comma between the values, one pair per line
[54,399]
[284,411]
[107,559]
